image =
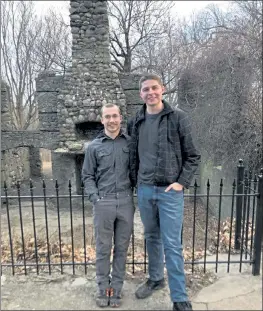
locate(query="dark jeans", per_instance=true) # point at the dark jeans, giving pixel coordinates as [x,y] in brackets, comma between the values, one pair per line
[162,216]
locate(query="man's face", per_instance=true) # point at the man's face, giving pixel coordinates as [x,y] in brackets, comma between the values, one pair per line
[151,92]
[111,119]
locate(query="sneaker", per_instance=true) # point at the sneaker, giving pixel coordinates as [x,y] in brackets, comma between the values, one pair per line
[102,297]
[184,305]
[147,288]
[115,298]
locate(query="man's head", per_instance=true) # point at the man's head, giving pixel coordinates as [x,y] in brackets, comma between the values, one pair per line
[111,119]
[151,89]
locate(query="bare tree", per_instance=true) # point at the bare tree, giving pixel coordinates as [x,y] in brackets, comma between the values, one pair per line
[162,55]
[169,55]
[29,45]
[132,23]
[223,83]
[53,46]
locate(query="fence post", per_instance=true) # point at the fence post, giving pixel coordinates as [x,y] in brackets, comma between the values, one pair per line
[258,227]
[239,200]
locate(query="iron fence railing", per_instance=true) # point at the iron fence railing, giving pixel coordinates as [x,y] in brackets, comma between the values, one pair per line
[242,236]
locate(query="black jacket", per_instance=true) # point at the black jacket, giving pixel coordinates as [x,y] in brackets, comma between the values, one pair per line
[177,157]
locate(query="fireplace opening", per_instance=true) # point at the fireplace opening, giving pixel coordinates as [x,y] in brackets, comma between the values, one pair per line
[88,130]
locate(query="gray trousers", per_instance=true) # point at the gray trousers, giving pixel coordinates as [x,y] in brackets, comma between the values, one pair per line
[113,221]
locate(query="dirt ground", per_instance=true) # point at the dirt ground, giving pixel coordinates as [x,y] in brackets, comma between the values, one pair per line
[68,292]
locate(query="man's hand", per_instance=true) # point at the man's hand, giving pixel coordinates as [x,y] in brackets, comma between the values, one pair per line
[176,186]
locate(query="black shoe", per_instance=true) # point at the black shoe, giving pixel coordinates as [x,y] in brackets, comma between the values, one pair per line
[184,305]
[115,298]
[103,297]
[146,289]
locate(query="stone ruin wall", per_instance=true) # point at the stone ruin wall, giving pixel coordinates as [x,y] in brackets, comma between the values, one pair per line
[14,162]
[65,101]
[90,82]
[15,165]
[20,153]
[6,124]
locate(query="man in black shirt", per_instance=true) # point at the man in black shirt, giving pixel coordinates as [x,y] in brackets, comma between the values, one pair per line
[106,179]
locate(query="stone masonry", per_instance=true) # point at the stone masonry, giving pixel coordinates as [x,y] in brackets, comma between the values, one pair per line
[15,155]
[91,81]
[69,106]
[5,112]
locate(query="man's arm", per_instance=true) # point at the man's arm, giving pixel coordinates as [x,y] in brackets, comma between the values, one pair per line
[89,174]
[132,160]
[130,124]
[190,155]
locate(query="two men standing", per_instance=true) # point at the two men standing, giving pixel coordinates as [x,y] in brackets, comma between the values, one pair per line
[161,161]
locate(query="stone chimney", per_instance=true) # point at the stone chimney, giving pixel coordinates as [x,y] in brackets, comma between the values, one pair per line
[91,81]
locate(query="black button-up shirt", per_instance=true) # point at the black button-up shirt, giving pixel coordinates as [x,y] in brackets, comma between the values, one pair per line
[106,166]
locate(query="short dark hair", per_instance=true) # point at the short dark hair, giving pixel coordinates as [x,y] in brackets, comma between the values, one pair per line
[150,76]
[109,105]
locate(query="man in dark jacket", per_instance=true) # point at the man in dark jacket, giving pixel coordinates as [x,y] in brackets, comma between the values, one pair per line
[107,182]
[163,161]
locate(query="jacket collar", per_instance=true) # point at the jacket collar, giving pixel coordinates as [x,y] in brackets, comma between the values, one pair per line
[141,113]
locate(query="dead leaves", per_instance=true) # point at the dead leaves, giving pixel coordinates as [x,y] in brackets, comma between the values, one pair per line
[55,251]
[44,252]
[226,238]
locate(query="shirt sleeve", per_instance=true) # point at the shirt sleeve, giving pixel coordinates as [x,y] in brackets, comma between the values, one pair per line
[89,170]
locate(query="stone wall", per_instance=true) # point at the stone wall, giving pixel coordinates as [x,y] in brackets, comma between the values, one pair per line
[14,161]
[38,139]
[91,81]
[46,136]
[6,124]
[70,103]
[48,85]
[14,166]
[130,85]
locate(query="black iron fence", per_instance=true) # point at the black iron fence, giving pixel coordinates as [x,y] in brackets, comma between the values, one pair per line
[239,235]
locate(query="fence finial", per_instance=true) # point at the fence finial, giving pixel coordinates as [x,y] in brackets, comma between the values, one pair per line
[240,162]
